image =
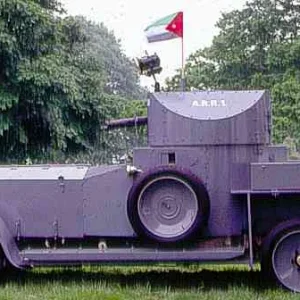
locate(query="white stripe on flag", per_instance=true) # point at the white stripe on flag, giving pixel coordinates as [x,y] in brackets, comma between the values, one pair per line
[159,33]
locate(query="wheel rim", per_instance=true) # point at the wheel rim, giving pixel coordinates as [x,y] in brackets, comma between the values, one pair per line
[285,260]
[168,207]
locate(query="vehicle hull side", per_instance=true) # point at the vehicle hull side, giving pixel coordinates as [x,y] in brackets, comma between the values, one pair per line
[43,208]
[105,203]
[220,168]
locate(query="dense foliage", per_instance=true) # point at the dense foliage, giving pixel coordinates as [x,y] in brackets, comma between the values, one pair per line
[102,48]
[257,47]
[60,78]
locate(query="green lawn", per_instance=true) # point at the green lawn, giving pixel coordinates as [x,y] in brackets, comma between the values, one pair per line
[160,282]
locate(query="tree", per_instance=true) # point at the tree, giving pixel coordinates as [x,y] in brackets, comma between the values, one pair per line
[102,48]
[256,48]
[53,91]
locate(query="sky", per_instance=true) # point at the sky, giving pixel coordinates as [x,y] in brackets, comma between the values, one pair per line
[128,19]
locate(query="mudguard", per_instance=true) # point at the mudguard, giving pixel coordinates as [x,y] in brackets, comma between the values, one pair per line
[9,246]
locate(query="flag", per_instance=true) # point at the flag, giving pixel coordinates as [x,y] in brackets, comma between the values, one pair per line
[169,27]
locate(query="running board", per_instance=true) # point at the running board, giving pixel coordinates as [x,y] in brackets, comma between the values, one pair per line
[78,256]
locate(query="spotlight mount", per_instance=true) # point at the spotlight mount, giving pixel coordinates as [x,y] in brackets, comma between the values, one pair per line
[149,65]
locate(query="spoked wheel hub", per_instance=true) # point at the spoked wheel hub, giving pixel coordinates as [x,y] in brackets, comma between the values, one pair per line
[297,260]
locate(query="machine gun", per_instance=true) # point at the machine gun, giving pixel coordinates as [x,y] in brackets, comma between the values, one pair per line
[129,122]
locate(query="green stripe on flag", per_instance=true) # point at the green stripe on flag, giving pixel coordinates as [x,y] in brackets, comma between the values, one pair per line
[164,21]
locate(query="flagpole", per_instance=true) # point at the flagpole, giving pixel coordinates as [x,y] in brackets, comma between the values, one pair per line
[182,66]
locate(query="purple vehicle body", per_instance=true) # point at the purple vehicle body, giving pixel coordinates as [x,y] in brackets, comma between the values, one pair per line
[210,187]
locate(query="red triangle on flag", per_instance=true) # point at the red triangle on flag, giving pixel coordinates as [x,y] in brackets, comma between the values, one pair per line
[176,25]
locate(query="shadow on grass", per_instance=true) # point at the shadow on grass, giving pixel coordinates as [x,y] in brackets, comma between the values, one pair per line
[158,279]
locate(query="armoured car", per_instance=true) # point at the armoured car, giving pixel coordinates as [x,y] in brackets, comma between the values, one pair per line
[209,187]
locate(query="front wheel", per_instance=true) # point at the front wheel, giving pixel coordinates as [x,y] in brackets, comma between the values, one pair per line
[281,257]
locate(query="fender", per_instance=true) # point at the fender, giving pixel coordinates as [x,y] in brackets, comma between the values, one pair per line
[9,246]
[10,249]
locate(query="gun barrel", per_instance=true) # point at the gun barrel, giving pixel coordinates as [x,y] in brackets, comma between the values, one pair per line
[130,122]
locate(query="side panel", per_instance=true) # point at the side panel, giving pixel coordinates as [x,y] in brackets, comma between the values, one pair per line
[105,204]
[43,208]
[275,176]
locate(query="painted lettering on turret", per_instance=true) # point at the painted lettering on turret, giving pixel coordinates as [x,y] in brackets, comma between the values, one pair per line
[209,103]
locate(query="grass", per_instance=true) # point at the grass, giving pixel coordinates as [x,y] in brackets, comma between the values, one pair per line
[160,282]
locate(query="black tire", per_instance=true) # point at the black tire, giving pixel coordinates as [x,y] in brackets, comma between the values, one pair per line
[271,244]
[158,179]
